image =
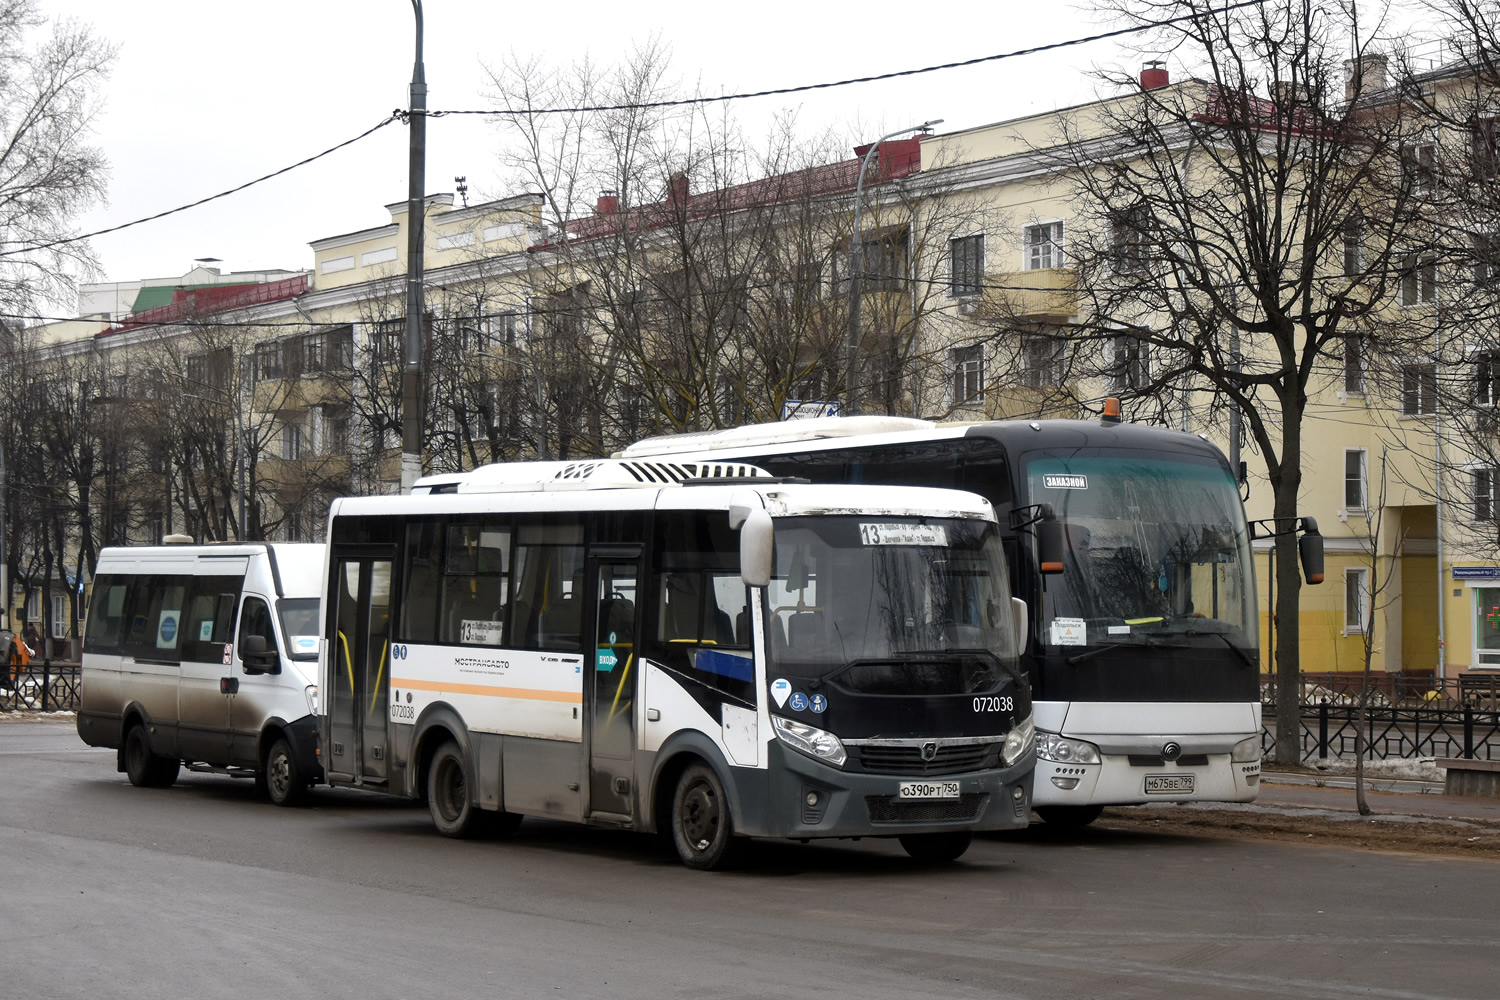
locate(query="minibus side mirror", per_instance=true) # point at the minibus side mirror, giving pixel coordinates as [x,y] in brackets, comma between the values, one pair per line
[257,658]
[1021,618]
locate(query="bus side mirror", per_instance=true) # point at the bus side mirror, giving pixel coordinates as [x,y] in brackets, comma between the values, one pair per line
[257,659]
[1049,545]
[756,545]
[1022,621]
[1310,551]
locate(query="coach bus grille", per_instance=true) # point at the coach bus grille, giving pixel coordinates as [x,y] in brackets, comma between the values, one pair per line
[887,759]
[884,809]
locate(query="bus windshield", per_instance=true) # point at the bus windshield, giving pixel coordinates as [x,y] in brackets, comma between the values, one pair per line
[1154,545]
[889,590]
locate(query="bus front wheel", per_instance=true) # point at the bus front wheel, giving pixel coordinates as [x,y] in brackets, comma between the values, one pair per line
[1069,817]
[702,830]
[144,768]
[936,848]
[284,783]
[448,793]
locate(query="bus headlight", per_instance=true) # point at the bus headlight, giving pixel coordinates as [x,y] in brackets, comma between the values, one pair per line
[312,699]
[1018,742]
[1246,750]
[1050,746]
[809,740]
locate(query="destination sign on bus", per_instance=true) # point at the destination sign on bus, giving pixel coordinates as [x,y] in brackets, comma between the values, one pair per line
[1059,481]
[902,534]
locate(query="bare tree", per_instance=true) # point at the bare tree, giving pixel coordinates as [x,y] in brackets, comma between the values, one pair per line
[48,171]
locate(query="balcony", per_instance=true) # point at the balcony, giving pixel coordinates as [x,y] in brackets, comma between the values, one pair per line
[1047,294]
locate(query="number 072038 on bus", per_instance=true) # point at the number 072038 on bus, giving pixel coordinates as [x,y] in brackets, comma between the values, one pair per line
[691,648]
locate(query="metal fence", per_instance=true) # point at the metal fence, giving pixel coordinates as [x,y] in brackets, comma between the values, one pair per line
[44,687]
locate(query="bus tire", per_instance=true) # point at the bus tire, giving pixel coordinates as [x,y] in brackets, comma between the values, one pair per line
[283,780]
[702,828]
[936,848]
[448,793]
[144,768]
[1069,817]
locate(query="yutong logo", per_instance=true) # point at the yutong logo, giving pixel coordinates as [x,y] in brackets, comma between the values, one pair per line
[1060,482]
[1171,751]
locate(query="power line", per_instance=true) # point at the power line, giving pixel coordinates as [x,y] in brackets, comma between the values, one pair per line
[803,88]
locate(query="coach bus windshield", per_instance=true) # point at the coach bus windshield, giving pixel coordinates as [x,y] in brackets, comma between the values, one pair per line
[1154,546]
[899,596]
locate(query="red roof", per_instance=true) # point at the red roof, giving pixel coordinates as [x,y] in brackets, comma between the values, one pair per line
[194,302]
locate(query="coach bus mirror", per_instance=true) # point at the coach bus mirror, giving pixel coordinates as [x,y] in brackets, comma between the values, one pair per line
[756,539]
[1022,621]
[1049,545]
[1310,551]
[257,658]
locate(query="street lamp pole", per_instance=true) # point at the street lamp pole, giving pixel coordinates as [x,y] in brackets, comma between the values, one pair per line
[856,265]
[411,375]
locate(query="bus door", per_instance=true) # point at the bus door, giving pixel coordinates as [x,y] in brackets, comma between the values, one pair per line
[359,663]
[609,688]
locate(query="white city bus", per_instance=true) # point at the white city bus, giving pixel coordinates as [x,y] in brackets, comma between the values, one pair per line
[1143,651]
[638,645]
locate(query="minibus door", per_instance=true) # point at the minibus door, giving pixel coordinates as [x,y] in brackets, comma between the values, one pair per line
[610,685]
[360,665]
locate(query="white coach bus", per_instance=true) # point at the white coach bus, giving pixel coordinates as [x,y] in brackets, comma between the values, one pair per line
[638,645]
[205,655]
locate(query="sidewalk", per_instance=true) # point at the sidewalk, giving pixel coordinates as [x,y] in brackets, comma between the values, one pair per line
[1284,791]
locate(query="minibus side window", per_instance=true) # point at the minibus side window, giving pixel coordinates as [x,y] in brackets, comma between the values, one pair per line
[155,628]
[209,622]
[255,619]
[106,618]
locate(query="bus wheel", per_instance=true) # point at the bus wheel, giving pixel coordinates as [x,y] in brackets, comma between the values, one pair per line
[936,848]
[1069,817]
[448,793]
[702,830]
[284,783]
[144,768]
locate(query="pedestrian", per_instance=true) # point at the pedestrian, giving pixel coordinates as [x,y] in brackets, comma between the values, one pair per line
[32,637]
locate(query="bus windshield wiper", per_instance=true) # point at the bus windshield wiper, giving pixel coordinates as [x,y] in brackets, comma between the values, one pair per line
[1097,650]
[1244,656]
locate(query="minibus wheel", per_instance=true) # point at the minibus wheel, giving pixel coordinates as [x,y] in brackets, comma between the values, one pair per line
[702,829]
[936,848]
[284,783]
[144,768]
[448,793]
[1069,817]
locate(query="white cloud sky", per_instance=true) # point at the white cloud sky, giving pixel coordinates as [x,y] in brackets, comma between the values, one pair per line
[205,96]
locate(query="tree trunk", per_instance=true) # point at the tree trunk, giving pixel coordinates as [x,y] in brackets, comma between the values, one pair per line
[1284,620]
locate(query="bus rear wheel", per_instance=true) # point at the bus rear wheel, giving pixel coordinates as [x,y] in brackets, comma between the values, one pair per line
[448,793]
[144,768]
[283,780]
[702,830]
[1069,817]
[936,848]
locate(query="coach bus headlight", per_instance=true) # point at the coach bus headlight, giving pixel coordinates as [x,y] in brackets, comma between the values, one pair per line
[809,740]
[1018,742]
[1050,746]
[1246,751]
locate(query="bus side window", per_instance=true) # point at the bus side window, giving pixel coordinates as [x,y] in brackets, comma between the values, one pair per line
[106,618]
[155,628]
[549,588]
[476,584]
[421,586]
[255,619]
[209,622]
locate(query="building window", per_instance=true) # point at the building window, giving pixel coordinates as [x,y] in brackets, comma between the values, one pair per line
[291,442]
[1486,260]
[1486,372]
[1130,237]
[1131,368]
[1355,479]
[33,605]
[59,616]
[1486,626]
[1043,362]
[968,375]
[1485,483]
[269,360]
[1485,150]
[1354,364]
[1354,245]
[1418,279]
[1044,246]
[966,265]
[1418,389]
[1419,170]
[1356,600]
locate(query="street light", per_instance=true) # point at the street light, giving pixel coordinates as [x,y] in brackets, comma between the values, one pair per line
[856,263]
[411,375]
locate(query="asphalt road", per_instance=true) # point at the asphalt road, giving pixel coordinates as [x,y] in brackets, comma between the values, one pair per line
[202,890]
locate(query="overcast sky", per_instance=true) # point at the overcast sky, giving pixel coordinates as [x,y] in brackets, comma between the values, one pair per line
[205,96]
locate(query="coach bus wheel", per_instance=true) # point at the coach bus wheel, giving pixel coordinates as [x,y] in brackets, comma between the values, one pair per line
[284,783]
[144,768]
[1069,817]
[936,848]
[448,793]
[702,830]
